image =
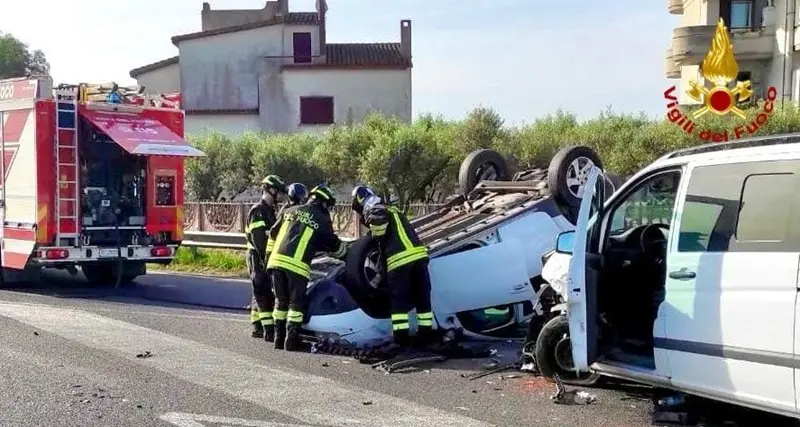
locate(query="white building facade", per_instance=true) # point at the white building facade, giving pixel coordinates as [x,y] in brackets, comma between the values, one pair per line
[272,70]
[765,39]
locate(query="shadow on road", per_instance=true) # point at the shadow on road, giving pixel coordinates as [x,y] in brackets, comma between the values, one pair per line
[166,290]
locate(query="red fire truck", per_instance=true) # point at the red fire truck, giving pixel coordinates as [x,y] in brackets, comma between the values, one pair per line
[92,177]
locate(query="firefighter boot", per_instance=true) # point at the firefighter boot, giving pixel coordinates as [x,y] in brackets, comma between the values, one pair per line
[258,330]
[280,334]
[425,339]
[269,333]
[293,342]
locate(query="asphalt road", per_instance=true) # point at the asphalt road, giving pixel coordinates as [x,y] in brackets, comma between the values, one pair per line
[68,357]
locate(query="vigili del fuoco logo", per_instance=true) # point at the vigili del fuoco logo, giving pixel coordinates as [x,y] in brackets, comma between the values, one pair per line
[719,69]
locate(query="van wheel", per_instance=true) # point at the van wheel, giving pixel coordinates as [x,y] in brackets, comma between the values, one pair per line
[482,165]
[553,354]
[568,173]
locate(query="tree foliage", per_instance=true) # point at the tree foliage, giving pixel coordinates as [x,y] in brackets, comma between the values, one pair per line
[17,60]
[419,162]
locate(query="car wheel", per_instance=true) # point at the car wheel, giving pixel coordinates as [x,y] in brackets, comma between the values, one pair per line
[482,165]
[613,185]
[569,172]
[364,274]
[553,354]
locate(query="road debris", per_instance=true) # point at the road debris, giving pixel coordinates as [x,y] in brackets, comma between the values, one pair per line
[509,377]
[562,396]
[407,361]
[366,402]
[36,333]
[144,355]
[496,370]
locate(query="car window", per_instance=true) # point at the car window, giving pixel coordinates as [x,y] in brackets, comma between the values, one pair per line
[697,223]
[651,202]
[741,207]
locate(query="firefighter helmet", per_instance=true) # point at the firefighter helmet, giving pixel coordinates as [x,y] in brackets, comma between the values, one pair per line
[323,194]
[297,192]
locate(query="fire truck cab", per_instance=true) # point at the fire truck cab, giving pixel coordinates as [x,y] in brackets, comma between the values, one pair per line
[92,177]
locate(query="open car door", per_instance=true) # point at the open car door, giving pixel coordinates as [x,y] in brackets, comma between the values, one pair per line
[485,277]
[581,303]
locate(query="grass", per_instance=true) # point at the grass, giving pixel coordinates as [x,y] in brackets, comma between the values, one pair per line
[220,262]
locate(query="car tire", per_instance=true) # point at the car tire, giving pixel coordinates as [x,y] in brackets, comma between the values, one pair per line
[482,165]
[613,186]
[552,341]
[565,166]
[360,282]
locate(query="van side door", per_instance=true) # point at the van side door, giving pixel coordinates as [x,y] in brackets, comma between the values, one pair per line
[731,283]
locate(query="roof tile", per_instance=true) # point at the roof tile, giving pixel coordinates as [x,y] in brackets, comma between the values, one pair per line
[292,18]
[360,55]
[154,66]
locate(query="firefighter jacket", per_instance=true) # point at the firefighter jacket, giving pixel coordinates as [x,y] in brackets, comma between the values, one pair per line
[399,241]
[259,221]
[298,235]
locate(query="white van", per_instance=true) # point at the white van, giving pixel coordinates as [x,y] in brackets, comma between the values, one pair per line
[701,296]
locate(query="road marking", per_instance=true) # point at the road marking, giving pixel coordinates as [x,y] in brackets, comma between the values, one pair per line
[305,397]
[196,420]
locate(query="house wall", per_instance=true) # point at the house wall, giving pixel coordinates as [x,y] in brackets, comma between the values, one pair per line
[161,80]
[229,124]
[355,93]
[222,71]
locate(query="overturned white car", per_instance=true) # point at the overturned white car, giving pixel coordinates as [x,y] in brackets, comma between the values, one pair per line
[486,247]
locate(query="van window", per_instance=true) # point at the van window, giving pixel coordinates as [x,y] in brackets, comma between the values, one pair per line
[741,207]
[765,207]
[652,202]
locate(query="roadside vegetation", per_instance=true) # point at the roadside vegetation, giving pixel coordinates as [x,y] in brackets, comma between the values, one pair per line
[217,262]
[418,163]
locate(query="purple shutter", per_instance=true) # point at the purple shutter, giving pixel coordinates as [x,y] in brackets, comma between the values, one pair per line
[302,48]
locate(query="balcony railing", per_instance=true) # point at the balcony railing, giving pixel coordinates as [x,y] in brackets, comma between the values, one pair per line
[691,44]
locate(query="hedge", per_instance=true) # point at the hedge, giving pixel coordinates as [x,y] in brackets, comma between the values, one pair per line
[419,162]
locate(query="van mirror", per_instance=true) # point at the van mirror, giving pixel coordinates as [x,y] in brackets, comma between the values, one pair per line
[564,242]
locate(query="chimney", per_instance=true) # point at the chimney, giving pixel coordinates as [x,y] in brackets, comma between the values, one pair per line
[283,8]
[405,38]
[322,10]
[206,6]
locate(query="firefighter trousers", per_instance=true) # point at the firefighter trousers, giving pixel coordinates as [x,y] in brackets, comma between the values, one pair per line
[290,303]
[263,298]
[410,287]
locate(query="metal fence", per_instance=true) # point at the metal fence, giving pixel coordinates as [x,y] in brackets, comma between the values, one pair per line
[221,217]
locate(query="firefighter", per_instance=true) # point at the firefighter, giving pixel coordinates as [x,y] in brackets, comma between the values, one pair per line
[259,220]
[299,233]
[297,193]
[406,260]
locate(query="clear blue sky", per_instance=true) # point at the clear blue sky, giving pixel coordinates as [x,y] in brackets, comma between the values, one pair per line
[525,58]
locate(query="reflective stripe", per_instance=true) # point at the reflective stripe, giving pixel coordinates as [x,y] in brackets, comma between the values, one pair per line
[265,315]
[400,326]
[401,232]
[406,257]
[279,314]
[400,321]
[378,230]
[495,311]
[254,315]
[277,260]
[302,245]
[341,251]
[295,316]
[255,225]
[267,322]
[270,245]
[425,319]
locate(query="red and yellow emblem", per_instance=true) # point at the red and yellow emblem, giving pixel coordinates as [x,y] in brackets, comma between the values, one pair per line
[720,68]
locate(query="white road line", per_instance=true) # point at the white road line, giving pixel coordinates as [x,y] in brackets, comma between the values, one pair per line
[308,398]
[197,420]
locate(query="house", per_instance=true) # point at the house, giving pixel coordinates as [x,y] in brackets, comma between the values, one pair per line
[764,37]
[273,70]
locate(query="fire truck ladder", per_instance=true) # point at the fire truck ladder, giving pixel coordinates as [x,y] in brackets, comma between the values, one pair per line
[68,194]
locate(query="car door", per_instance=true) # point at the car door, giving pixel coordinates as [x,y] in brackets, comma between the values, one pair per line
[490,276]
[731,285]
[580,285]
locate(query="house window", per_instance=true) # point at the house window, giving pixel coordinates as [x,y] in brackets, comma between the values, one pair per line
[316,110]
[302,48]
[741,14]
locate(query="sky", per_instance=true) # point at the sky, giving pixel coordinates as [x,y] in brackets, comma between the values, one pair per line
[524,58]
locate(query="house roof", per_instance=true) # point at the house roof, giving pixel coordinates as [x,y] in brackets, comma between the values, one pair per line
[292,18]
[359,55]
[154,66]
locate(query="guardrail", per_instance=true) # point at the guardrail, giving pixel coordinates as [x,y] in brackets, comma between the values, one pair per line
[214,240]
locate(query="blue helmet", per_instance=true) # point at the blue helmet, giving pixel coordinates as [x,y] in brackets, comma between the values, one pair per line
[360,194]
[297,192]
